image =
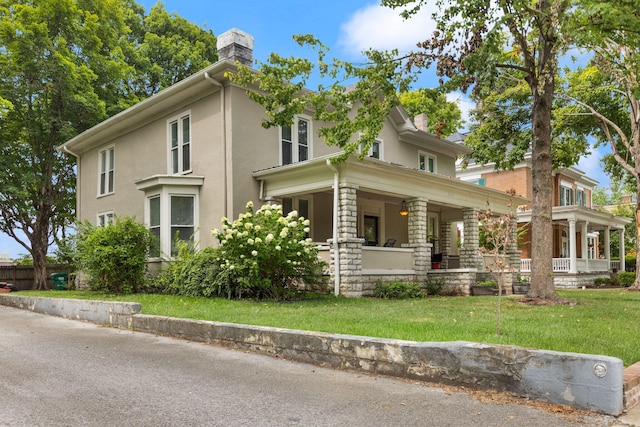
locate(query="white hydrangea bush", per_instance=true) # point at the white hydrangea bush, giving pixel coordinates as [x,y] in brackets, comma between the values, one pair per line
[266,254]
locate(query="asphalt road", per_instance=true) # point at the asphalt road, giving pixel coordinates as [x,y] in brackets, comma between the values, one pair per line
[58,372]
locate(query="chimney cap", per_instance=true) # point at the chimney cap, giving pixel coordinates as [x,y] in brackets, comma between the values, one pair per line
[235,36]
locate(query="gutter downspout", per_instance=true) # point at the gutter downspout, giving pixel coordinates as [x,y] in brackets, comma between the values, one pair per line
[336,247]
[78,192]
[224,141]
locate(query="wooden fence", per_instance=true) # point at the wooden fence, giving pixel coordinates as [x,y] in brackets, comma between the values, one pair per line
[22,275]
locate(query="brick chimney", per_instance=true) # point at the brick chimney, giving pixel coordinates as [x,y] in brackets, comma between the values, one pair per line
[421,121]
[236,45]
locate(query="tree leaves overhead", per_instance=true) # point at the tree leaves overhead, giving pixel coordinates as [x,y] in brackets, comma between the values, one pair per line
[444,116]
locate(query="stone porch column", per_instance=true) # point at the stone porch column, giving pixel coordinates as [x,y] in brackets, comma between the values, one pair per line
[469,256]
[445,238]
[573,267]
[417,224]
[350,246]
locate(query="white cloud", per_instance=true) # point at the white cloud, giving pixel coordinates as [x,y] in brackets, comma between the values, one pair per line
[465,104]
[590,165]
[383,28]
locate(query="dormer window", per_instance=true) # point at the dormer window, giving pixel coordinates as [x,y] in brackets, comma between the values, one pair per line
[427,162]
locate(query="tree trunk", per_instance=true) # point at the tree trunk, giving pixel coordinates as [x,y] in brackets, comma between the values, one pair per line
[542,286]
[636,284]
[39,248]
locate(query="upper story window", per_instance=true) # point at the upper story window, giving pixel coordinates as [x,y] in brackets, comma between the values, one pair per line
[106,167]
[566,196]
[581,197]
[375,151]
[295,141]
[427,162]
[180,144]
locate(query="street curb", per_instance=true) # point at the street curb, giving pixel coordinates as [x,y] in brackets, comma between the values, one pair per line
[582,381]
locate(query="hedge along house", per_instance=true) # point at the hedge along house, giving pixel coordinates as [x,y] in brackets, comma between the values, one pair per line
[196,151]
[581,234]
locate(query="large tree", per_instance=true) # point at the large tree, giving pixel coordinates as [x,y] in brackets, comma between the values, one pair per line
[608,90]
[65,65]
[497,49]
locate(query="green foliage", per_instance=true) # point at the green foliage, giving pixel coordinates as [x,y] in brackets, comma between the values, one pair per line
[630,263]
[434,286]
[357,110]
[626,278]
[604,281]
[196,274]
[397,290]
[487,283]
[264,254]
[444,117]
[115,256]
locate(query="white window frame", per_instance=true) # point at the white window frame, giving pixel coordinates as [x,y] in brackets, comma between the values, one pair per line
[176,154]
[583,197]
[427,158]
[566,189]
[105,218]
[380,144]
[165,194]
[295,140]
[106,171]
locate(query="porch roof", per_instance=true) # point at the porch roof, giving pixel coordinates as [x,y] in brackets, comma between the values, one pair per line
[384,178]
[597,219]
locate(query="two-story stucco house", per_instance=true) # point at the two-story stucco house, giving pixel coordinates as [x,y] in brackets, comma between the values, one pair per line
[581,234]
[195,152]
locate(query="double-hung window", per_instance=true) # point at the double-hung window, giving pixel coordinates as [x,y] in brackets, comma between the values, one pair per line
[182,220]
[295,141]
[566,196]
[106,160]
[154,224]
[427,162]
[180,144]
[581,197]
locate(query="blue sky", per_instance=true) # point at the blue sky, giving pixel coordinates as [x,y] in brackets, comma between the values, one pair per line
[347,27]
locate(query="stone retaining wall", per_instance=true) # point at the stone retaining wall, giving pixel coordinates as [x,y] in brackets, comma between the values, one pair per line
[578,380]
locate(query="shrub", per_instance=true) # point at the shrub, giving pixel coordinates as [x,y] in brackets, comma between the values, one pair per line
[602,281]
[115,256]
[434,286]
[626,279]
[397,290]
[267,255]
[488,283]
[191,273]
[630,263]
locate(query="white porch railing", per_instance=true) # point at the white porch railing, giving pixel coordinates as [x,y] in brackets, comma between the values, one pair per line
[614,265]
[563,265]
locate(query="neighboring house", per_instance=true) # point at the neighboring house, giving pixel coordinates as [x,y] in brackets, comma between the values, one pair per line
[581,234]
[195,152]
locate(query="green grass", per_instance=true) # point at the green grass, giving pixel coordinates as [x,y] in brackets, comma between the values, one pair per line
[603,322]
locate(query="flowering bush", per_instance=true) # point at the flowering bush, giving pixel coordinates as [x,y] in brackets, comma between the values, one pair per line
[267,255]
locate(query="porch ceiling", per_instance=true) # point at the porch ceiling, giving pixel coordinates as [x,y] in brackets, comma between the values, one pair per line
[383,178]
[597,220]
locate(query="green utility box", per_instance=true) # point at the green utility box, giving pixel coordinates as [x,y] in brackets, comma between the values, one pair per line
[59,281]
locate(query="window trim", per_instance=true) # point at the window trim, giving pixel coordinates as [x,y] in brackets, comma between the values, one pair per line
[295,143]
[566,190]
[109,218]
[165,194]
[178,119]
[109,173]
[380,143]
[428,156]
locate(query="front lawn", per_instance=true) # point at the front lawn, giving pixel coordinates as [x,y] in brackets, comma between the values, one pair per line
[603,322]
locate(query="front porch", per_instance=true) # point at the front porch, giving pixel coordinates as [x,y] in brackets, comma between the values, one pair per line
[563,265]
[378,222]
